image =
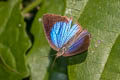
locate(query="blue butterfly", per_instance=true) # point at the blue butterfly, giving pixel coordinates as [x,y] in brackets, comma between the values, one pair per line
[65,37]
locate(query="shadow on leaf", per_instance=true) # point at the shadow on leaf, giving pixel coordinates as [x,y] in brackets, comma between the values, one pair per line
[59,70]
[77,59]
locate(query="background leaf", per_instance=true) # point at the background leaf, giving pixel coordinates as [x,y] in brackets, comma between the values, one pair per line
[13,42]
[74,8]
[101,62]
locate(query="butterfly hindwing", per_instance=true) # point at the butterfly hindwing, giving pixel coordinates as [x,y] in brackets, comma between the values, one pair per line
[79,45]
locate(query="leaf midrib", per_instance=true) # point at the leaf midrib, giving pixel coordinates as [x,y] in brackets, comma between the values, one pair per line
[108,57]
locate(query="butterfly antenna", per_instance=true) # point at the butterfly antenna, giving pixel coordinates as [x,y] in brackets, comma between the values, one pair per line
[53,63]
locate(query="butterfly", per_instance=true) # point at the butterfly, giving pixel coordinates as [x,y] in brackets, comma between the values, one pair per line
[66,38]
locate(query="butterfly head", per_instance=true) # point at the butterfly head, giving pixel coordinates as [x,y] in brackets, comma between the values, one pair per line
[61,51]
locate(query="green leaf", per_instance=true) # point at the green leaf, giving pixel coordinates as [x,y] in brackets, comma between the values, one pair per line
[40,66]
[112,66]
[101,61]
[74,8]
[14,42]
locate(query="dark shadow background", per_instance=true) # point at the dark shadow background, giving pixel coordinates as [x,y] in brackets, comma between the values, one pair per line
[61,63]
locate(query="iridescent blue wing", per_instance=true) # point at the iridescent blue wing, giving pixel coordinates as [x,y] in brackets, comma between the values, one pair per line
[58,30]
[62,32]
[79,44]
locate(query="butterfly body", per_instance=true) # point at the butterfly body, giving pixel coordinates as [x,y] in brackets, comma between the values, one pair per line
[64,37]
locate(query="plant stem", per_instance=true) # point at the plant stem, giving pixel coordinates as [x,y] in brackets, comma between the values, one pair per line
[31,6]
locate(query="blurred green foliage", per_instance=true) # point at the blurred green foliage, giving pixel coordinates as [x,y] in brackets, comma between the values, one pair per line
[23,44]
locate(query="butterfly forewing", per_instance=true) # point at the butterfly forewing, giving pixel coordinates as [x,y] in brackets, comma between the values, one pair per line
[48,21]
